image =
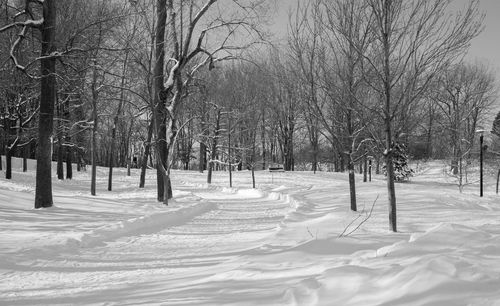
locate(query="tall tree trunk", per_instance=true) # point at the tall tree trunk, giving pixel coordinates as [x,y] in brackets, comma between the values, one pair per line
[159,98]
[95,115]
[93,136]
[115,122]
[387,80]
[43,191]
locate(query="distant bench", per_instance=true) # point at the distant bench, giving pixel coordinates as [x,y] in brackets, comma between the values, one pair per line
[276,169]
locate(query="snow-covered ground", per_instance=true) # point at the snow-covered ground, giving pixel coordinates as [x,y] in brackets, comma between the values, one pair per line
[276,245]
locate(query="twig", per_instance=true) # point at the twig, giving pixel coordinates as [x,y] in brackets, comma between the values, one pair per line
[343,234]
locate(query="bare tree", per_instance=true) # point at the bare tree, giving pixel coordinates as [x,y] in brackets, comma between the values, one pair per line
[24,20]
[464,94]
[413,40]
[199,33]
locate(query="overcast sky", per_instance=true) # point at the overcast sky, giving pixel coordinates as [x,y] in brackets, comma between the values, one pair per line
[485,47]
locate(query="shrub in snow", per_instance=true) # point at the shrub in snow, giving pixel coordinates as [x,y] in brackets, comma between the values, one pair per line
[402,171]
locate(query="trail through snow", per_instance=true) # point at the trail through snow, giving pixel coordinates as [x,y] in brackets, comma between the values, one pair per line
[275,245]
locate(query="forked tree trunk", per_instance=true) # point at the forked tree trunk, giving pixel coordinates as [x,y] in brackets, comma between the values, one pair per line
[43,192]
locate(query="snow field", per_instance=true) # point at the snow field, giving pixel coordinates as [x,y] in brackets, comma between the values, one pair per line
[275,245]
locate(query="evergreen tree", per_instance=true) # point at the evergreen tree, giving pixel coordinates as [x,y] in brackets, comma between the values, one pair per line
[496,125]
[402,171]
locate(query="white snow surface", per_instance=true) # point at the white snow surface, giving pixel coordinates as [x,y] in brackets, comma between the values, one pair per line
[278,244]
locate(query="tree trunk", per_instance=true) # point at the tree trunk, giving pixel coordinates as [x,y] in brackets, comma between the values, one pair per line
[429,135]
[78,161]
[498,178]
[350,165]
[160,182]
[25,157]
[93,157]
[43,192]
[214,148]
[144,161]
[229,149]
[159,98]
[69,166]
[60,166]
[203,157]
[115,122]
[391,192]
[93,136]
[167,186]
[203,147]
[112,154]
[370,170]
[263,140]
[2,150]
[365,169]
[352,184]
[170,193]
[8,164]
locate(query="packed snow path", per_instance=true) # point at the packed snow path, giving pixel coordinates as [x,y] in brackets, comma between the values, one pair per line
[277,245]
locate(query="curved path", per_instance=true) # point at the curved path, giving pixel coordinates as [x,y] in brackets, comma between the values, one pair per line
[169,260]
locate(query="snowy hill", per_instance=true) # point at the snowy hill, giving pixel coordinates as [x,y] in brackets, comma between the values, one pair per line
[276,245]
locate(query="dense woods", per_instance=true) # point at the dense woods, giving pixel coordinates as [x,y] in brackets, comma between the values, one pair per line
[201,85]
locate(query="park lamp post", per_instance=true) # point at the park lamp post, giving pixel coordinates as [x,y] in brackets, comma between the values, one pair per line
[481,137]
